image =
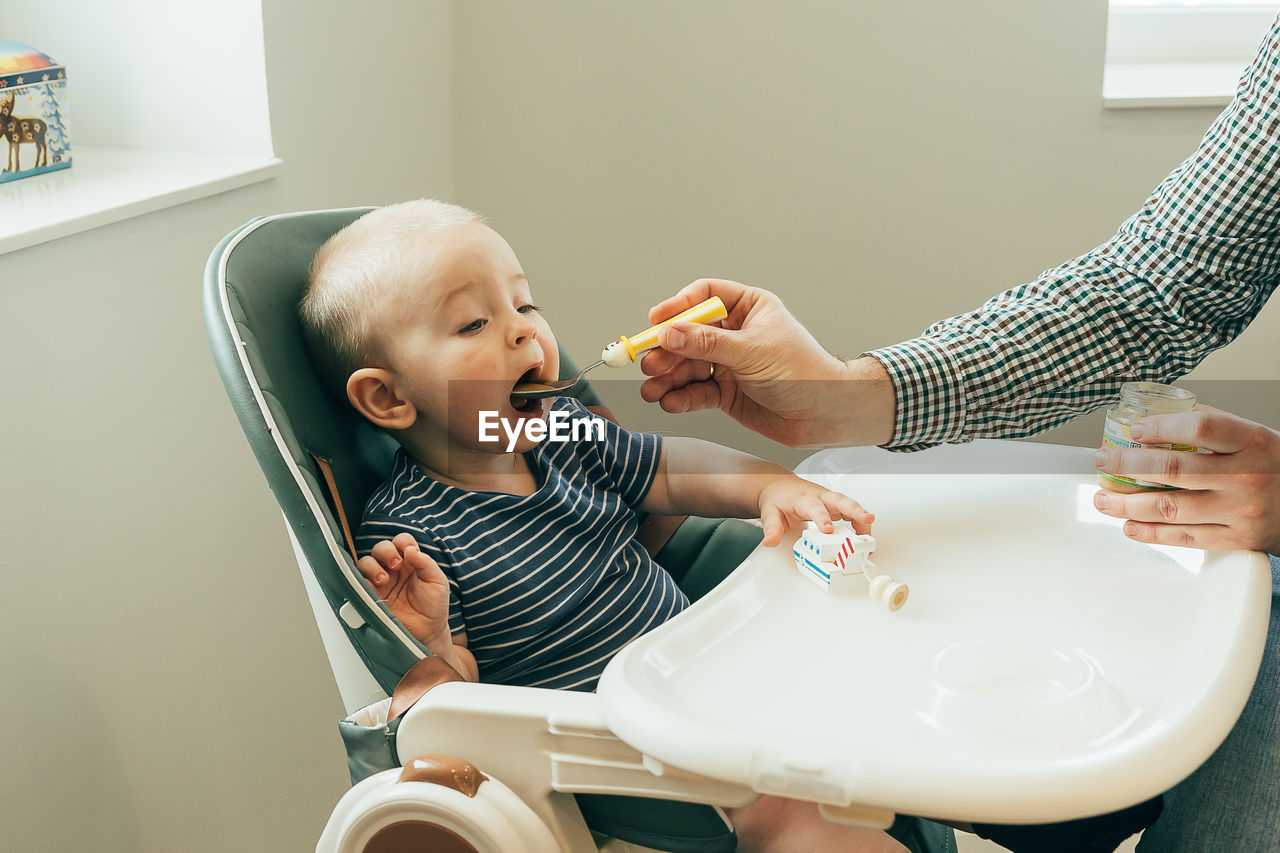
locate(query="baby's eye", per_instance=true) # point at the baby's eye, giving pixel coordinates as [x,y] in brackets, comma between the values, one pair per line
[525,309]
[473,326]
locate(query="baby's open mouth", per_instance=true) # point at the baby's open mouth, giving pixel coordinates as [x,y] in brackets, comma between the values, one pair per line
[526,405]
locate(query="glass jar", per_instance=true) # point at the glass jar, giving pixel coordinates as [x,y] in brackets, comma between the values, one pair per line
[1137,400]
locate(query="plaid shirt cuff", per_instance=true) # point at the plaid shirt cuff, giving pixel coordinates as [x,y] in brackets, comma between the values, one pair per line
[929,393]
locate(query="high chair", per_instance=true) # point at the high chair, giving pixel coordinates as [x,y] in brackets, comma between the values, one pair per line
[538,747]
[1045,668]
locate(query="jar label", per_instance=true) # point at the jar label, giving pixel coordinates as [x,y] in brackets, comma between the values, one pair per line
[1116,434]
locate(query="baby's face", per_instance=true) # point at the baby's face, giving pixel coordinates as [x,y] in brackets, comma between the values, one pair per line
[464,335]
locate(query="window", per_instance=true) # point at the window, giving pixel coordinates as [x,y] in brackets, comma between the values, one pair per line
[1180,52]
[167,104]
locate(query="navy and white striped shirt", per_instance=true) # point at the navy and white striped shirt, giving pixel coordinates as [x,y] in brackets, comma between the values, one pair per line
[548,586]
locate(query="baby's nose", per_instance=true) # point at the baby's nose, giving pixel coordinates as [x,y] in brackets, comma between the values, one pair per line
[522,331]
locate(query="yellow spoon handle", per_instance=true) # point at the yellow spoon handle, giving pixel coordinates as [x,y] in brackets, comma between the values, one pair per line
[710,311]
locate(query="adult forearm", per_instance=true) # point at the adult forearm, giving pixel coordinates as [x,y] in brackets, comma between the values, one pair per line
[870,408]
[1181,277]
[1039,355]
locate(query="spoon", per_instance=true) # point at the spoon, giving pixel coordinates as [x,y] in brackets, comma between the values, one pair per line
[560,388]
[617,353]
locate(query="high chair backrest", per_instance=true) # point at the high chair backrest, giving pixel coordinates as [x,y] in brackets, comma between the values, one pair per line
[253,282]
[252,285]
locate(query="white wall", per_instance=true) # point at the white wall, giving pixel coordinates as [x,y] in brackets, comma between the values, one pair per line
[164,684]
[880,165]
[156,75]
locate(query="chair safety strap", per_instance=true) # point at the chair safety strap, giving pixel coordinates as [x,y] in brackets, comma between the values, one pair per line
[331,486]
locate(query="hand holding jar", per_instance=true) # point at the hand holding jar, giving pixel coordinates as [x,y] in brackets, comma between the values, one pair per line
[1227,498]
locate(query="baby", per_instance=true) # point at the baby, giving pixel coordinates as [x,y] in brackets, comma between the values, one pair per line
[514,559]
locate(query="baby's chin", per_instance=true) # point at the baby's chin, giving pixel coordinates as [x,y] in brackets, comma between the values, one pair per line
[494,429]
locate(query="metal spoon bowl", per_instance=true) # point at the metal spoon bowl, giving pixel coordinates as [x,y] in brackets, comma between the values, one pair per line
[560,388]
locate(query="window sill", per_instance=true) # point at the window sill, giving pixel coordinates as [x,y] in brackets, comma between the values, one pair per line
[1170,84]
[106,185]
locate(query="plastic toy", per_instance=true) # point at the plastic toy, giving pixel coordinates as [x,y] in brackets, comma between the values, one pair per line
[840,560]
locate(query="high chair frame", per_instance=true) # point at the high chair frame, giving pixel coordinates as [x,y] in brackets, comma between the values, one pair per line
[545,745]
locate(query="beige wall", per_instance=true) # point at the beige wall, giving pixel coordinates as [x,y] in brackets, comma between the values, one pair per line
[165,688]
[881,165]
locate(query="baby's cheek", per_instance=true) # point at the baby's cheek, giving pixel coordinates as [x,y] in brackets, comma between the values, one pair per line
[467,397]
[467,423]
[550,355]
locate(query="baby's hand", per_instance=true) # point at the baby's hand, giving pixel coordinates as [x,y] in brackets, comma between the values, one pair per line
[413,586]
[792,501]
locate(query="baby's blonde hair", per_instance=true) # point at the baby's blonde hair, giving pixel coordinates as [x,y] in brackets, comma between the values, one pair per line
[358,269]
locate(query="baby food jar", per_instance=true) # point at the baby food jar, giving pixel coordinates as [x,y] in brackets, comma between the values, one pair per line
[1137,400]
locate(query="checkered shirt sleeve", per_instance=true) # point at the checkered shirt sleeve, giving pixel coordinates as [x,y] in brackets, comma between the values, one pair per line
[1183,276]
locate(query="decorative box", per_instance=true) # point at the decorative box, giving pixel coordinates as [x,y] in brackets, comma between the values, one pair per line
[33,112]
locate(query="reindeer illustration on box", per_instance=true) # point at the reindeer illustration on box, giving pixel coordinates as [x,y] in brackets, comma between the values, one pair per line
[35,85]
[19,130]
[840,560]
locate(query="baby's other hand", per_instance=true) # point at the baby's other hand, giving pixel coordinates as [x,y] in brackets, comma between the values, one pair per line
[788,502]
[413,586]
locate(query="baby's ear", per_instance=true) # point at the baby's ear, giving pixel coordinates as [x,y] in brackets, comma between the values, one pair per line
[372,392]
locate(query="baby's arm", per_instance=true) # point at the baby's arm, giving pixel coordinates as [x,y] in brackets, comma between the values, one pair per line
[417,593]
[700,478]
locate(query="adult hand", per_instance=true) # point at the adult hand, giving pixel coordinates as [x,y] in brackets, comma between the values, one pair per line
[1230,498]
[770,374]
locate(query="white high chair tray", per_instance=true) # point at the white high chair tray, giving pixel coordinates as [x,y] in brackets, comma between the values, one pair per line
[1044,668]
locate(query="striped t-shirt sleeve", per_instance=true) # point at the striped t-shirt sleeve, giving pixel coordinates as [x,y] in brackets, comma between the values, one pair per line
[629,460]
[1182,277]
